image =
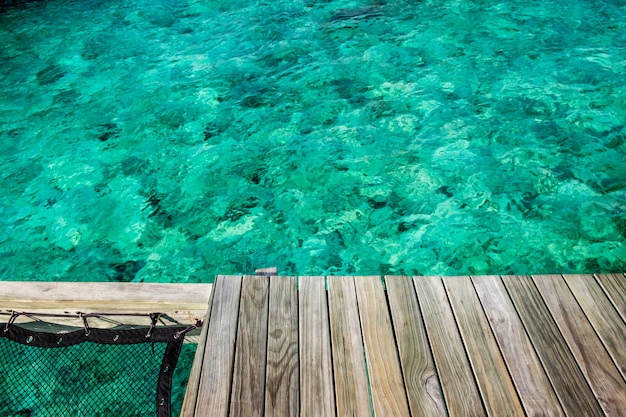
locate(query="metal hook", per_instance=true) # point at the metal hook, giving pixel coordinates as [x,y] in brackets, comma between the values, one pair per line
[197,324]
[84,317]
[154,317]
[14,315]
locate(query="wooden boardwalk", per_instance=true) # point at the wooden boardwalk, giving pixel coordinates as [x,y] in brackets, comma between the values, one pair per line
[508,346]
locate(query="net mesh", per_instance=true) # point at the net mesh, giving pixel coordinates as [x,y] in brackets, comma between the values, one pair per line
[95,373]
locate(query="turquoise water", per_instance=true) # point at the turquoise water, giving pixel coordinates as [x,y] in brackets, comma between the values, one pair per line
[171,140]
[86,380]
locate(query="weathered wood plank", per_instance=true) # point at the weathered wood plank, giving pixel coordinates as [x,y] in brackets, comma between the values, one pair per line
[457,380]
[494,383]
[383,365]
[595,363]
[422,385]
[248,388]
[216,379]
[184,302]
[561,367]
[193,383]
[532,384]
[271,271]
[282,386]
[351,390]
[604,318]
[316,380]
[614,286]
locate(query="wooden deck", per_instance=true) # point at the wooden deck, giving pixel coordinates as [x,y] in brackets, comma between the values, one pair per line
[547,345]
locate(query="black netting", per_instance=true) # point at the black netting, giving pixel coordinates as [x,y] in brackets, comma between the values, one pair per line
[109,372]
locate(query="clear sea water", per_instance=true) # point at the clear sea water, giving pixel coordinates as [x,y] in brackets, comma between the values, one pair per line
[172,140]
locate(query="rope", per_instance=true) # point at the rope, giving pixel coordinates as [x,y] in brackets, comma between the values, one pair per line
[197,324]
[154,319]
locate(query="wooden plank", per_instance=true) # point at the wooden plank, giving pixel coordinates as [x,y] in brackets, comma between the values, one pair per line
[494,383]
[193,383]
[614,286]
[216,379]
[383,365]
[422,385]
[316,380]
[351,389]
[561,367]
[605,320]
[98,296]
[457,381]
[248,388]
[184,302]
[282,381]
[595,363]
[532,384]
[271,271]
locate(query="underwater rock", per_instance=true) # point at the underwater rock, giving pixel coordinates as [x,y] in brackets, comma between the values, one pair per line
[210,130]
[101,45]
[334,240]
[50,74]
[616,140]
[252,101]
[445,190]
[133,165]
[126,271]
[109,130]
[358,13]
[377,202]
[160,215]
[612,184]
[239,209]
[582,72]
[67,97]
[620,224]
[349,88]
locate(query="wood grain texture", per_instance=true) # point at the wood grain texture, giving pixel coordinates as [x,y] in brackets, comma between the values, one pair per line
[271,271]
[595,363]
[183,302]
[457,380]
[383,364]
[216,379]
[351,390]
[316,380]
[602,315]
[561,367]
[282,383]
[532,384]
[422,385]
[193,383]
[614,286]
[248,388]
[490,372]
